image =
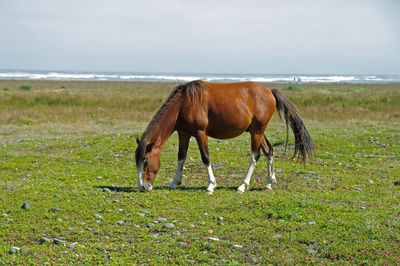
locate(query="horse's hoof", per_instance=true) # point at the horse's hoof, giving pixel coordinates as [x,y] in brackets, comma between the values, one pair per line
[208,192]
[268,187]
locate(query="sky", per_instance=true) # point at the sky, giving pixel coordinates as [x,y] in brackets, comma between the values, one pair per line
[208,36]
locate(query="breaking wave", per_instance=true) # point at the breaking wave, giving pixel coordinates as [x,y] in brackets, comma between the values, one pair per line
[183,77]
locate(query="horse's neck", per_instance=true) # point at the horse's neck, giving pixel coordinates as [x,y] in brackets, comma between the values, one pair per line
[165,125]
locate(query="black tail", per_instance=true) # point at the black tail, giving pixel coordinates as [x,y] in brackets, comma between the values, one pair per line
[303,143]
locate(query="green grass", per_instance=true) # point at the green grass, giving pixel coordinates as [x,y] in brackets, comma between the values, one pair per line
[25,87]
[292,88]
[342,209]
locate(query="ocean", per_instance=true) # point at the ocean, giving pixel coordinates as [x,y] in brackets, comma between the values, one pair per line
[185,77]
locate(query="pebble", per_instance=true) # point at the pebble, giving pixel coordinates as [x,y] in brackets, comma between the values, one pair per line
[5,215]
[169,225]
[253,260]
[310,251]
[106,189]
[137,226]
[213,238]
[72,245]
[370,181]
[220,218]
[311,222]
[26,206]
[161,220]
[55,209]
[120,222]
[150,225]
[57,241]
[98,216]
[14,250]
[281,220]
[176,233]
[237,246]
[56,196]
[44,240]
[144,212]
[155,235]
[99,177]
[77,195]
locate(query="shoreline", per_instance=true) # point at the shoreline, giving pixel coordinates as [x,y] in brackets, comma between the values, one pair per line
[42,83]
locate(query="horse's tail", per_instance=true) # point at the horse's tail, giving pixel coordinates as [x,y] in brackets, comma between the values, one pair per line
[303,143]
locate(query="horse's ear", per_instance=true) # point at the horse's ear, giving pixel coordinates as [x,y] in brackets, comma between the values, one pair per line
[137,141]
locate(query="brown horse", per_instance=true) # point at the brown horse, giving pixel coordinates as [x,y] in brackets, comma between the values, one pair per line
[222,111]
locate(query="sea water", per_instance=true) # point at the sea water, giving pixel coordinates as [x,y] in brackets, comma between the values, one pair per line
[185,77]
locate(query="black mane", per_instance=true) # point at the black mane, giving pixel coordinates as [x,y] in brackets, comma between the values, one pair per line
[193,90]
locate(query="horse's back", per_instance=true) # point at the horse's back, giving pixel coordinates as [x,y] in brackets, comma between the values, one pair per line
[228,109]
[249,97]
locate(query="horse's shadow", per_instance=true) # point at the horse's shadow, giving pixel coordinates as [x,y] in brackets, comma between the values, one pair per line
[164,188]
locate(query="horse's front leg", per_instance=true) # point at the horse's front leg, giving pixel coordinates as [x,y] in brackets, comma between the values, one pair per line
[183,147]
[205,157]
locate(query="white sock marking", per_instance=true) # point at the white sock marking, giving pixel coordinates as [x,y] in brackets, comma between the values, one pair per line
[212,183]
[246,180]
[271,173]
[178,175]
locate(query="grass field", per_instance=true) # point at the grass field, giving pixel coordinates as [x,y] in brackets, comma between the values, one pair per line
[67,149]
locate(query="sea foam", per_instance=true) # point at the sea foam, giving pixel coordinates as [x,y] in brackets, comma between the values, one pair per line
[184,77]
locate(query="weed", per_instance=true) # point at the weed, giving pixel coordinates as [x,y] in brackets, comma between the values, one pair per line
[25,87]
[292,88]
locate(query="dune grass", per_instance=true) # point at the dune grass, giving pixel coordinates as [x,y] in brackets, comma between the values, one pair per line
[76,140]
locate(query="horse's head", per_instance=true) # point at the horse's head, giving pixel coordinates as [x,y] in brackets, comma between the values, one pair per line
[147,164]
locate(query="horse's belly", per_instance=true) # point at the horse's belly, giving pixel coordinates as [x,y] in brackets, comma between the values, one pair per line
[223,130]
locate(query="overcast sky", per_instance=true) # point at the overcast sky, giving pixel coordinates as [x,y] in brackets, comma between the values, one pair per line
[224,36]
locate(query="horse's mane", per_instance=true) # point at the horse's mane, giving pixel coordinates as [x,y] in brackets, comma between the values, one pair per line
[193,90]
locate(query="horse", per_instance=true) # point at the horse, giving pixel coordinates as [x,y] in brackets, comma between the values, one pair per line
[219,110]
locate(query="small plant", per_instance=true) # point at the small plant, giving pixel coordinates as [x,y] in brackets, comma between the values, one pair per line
[292,88]
[25,87]
[5,89]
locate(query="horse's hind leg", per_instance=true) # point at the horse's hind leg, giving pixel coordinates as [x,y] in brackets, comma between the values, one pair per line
[268,151]
[254,156]
[183,147]
[201,138]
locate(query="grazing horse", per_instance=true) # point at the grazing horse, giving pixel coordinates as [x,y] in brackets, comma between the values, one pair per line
[223,111]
